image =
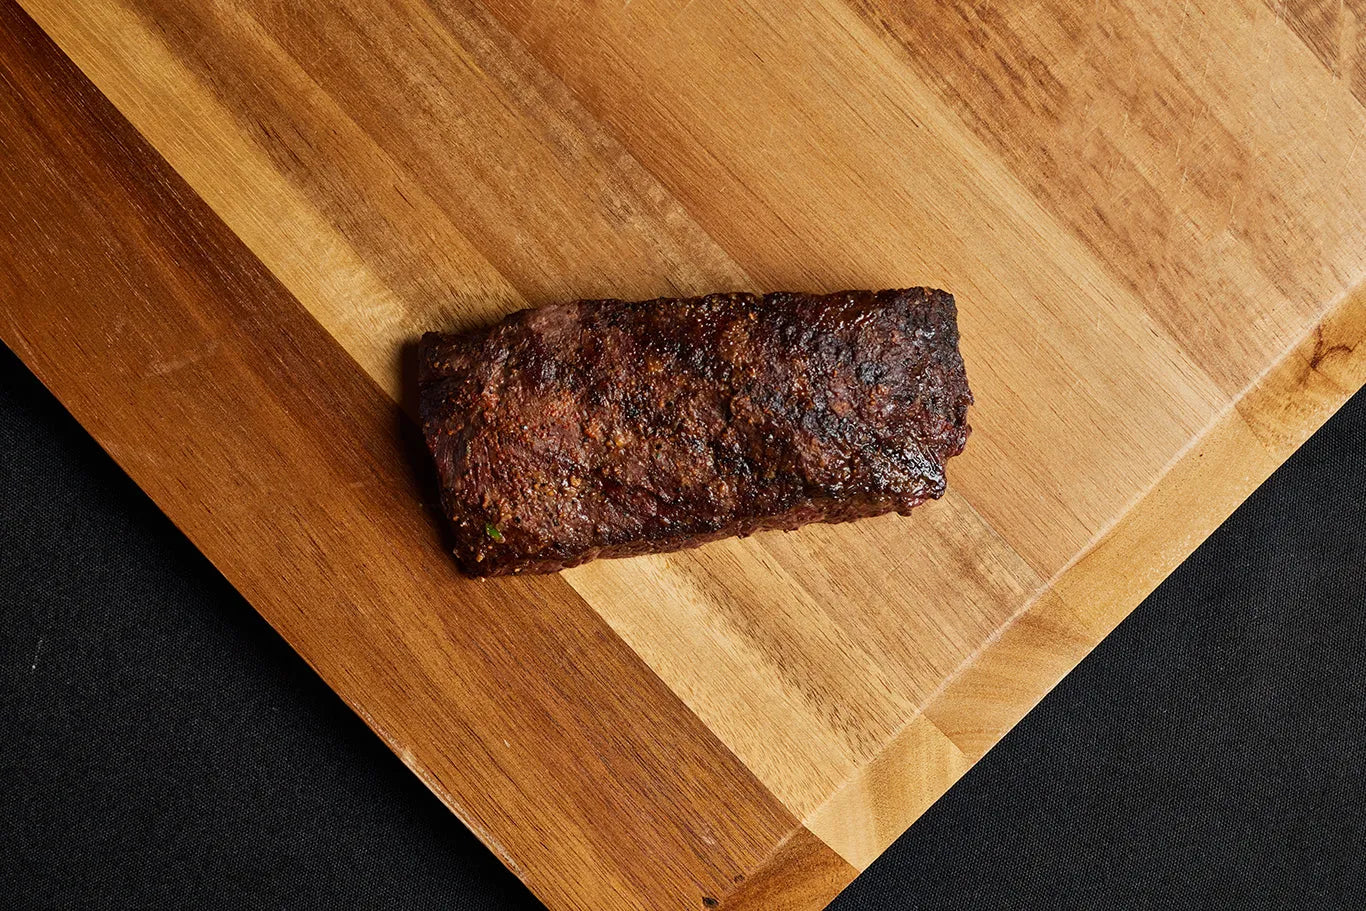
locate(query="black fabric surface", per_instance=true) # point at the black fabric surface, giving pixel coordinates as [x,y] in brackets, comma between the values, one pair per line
[160,746]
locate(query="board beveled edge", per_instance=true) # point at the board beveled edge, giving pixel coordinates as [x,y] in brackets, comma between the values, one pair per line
[802,874]
[1087,599]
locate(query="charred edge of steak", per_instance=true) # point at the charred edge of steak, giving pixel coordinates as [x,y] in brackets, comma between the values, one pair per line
[611,428]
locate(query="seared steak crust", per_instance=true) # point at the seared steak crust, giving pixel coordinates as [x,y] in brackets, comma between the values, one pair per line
[611,428]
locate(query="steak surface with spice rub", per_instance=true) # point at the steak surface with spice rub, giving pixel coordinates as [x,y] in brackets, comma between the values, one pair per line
[610,428]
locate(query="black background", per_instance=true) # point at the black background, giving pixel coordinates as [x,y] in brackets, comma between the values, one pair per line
[161,746]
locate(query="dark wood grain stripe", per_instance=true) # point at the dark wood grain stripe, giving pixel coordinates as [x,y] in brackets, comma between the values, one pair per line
[1335,30]
[802,874]
[293,472]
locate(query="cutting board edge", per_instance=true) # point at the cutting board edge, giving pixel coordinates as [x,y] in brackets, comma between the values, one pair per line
[1058,627]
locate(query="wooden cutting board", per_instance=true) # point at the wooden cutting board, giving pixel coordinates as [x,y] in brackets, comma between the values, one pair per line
[223,227]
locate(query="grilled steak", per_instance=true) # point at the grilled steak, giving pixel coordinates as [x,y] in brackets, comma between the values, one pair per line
[610,428]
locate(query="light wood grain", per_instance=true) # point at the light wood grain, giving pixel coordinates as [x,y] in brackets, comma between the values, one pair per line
[1151,214]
